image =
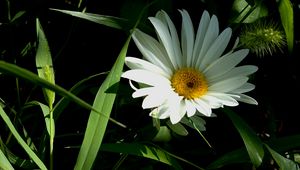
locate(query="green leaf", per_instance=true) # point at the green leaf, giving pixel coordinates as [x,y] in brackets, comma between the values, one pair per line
[253,144]
[248,12]
[233,157]
[287,20]
[283,163]
[43,62]
[142,151]
[15,133]
[4,163]
[110,21]
[97,123]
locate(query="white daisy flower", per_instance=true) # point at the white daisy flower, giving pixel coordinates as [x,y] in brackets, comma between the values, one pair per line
[188,77]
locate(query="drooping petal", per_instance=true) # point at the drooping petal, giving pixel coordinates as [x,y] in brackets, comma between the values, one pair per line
[222,98]
[202,107]
[178,109]
[247,99]
[187,37]
[191,110]
[154,99]
[244,88]
[160,112]
[217,48]
[225,64]
[228,84]
[146,77]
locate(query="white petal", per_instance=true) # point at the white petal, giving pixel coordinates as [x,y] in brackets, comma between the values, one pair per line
[202,29]
[146,77]
[178,108]
[136,63]
[217,48]
[187,37]
[191,110]
[222,98]
[225,64]
[236,71]
[152,50]
[245,88]
[247,99]
[210,36]
[161,112]
[165,38]
[228,84]
[143,92]
[202,107]
[153,100]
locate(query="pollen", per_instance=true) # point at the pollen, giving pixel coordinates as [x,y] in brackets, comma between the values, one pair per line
[189,83]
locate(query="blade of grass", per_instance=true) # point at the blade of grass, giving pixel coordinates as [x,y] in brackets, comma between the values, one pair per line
[45,70]
[283,163]
[97,123]
[4,163]
[20,140]
[141,150]
[253,144]
[25,74]
[110,21]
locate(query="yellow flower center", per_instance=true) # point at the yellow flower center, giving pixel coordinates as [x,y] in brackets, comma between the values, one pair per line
[189,83]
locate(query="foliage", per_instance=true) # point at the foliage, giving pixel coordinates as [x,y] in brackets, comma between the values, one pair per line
[57,58]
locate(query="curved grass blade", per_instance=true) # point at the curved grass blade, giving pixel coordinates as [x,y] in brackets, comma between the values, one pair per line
[110,21]
[4,163]
[253,144]
[287,19]
[97,123]
[142,151]
[283,163]
[15,133]
[25,74]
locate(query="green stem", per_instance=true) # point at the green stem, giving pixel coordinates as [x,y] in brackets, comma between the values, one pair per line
[51,136]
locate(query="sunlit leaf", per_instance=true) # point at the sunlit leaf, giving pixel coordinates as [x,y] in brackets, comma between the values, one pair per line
[97,123]
[142,151]
[253,144]
[248,12]
[110,21]
[4,163]
[287,20]
[43,62]
[283,163]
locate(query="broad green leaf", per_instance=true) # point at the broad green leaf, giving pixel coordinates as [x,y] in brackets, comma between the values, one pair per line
[247,13]
[97,123]
[110,21]
[233,157]
[283,163]
[43,62]
[142,151]
[253,144]
[4,163]
[15,133]
[163,135]
[287,20]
